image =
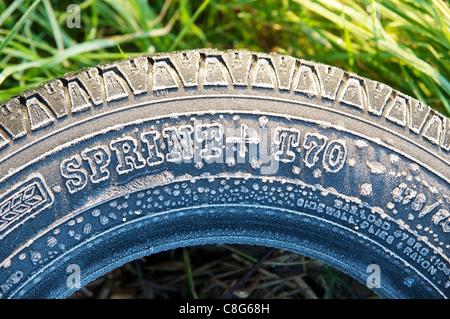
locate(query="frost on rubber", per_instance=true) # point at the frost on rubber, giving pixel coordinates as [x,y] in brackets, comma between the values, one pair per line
[156,152]
[127,79]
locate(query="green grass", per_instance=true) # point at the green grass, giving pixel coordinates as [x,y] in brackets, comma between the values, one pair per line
[404,43]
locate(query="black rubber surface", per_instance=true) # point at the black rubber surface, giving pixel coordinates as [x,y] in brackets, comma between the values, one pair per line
[143,155]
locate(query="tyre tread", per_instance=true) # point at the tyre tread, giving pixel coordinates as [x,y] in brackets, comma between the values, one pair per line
[60,98]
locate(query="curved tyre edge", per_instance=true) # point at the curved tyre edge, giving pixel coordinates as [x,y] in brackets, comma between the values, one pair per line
[185,148]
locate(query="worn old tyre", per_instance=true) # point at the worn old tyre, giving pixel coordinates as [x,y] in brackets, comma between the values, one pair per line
[119,161]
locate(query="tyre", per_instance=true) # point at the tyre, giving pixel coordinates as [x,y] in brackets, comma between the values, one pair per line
[119,161]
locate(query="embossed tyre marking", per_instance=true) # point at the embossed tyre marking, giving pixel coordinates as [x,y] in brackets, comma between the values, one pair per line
[123,160]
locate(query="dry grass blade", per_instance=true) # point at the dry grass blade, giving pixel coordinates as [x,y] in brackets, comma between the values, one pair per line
[217,271]
[230,292]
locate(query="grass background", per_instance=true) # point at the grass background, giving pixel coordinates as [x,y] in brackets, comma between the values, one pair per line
[403,43]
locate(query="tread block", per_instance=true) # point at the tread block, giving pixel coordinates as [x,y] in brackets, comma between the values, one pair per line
[187,65]
[398,110]
[163,75]
[53,95]
[238,64]
[135,70]
[285,67]
[113,86]
[215,72]
[330,78]
[305,81]
[38,114]
[92,83]
[11,118]
[378,94]
[433,128]
[353,93]
[264,76]
[446,137]
[79,98]
[418,115]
